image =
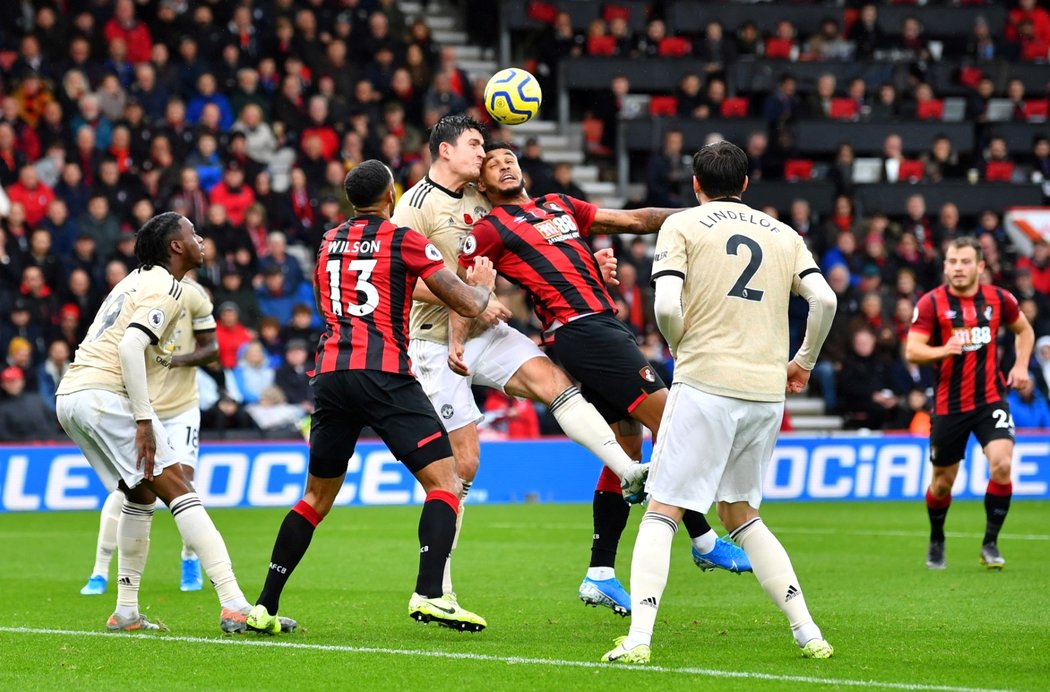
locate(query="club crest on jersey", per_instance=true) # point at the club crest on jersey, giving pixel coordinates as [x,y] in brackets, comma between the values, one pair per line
[447,411]
[647,374]
[988,311]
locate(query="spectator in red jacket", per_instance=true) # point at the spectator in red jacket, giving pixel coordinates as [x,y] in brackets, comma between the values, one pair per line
[32,194]
[1027,11]
[230,333]
[233,194]
[1039,266]
[136,34]
[317,113]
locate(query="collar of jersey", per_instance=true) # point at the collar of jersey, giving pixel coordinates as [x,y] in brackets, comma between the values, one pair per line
[731,200]
[450,193]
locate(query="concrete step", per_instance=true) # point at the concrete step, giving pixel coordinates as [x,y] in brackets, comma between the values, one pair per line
[557,156]
[604,202]
[597,188]
[537,127]
[438,22]
[469,53]
[447,37]
[478,69]
[816,423]
[804,406]
[548,142]
[585,174]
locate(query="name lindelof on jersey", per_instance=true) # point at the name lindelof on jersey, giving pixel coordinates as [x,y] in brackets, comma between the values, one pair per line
[745,216]
[558,229]
[358,247]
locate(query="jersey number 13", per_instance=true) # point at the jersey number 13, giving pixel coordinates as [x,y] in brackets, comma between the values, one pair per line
[363,268]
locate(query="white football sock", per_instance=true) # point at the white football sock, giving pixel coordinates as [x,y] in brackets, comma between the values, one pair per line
[774,572]
[446,578]
[133,545]
[601,573]
[649,567]
[705,543]
[582,423]
[187,553]
[200,534]
[107,533]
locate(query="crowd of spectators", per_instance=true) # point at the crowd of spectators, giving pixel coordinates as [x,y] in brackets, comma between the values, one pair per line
[245,116]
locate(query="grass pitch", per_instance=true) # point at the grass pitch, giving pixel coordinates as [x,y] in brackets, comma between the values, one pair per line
[894,624]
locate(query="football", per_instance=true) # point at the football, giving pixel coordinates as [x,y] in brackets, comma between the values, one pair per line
[513,96]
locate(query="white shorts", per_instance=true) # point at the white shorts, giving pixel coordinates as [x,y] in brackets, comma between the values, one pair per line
[101,424]
[712,449]
[184,431]
[493,357]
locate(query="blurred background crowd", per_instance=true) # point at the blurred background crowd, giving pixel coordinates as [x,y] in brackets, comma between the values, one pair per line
[245,116]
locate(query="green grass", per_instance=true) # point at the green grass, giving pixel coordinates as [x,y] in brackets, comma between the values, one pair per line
[861,566]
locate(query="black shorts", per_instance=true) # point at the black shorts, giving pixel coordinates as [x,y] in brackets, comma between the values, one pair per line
[950,433]
[393,405]
[602,354]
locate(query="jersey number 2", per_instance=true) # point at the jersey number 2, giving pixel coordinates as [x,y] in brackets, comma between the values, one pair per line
[364,269]
[740,289]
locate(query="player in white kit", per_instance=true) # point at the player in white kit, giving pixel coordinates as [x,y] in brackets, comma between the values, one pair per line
[724,274]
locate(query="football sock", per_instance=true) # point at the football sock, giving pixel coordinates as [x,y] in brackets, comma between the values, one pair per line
[107,533]
[996,505]
[293,539]
[437,528]
[133,545]
[446,578]
[601,573]
[610,514]
[649,567]
[200,534]
[937,508]
[774,572]
[187,553]
[700,532]
[582,423]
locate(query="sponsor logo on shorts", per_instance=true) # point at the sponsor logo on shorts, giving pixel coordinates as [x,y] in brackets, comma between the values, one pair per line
[447,411]
[647,374]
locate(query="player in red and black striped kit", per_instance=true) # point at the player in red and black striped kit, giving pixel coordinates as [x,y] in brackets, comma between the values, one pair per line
[538,244]
[366,269]
[955,327]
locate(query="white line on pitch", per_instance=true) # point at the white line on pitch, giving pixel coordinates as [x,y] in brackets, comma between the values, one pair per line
[784,529]
[509,660]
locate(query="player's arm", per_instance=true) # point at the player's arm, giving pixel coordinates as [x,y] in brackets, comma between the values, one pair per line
[637,221]
[132,352]
[1024,341]
[207,351]
[917,349]
[469,298]
[668,307]
[607,262]
[423,294]
[814,289]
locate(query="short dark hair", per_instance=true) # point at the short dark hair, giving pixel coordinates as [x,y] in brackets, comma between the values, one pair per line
[151,241]
[720,168]
[449,128]
[495,146]
[968,241]
[366,182]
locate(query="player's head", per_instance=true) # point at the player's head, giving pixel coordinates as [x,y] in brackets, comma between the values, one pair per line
[457,142]
[369,186]
[963,263]
[169,240]
[719,170]
[501,179]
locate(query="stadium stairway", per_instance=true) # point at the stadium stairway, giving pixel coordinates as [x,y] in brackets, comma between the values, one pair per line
[446,27]
[808,416]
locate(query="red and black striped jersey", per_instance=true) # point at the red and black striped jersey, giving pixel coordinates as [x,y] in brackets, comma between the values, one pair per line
[971,379]
[366,270]
[539,247]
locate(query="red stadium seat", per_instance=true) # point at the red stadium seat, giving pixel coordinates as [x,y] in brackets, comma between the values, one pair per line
[843,109]
[911,171]
[998,171]
[798,169]
[778,48]
[675,47]
[735,107]
[542,11]
[1036,110]
[970,76]
[611,12]
[930,110]
[601,45]
[663,105]
[593,129]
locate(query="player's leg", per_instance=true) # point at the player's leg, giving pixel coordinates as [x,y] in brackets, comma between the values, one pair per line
[948,437]
[105,545]
[739,495]
[466,452]
[183,436]
[995,432]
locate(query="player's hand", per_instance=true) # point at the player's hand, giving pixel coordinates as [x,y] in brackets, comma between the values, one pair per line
[482,273]
[146,448]
[495,312]
[1019,379]
[797,378]
[953,346]
[456,363]
[607,263]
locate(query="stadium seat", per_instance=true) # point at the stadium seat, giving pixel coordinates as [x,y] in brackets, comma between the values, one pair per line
[542,11]
[601,45]
[970,76]
[675,47]
[798,169]
[593,128]
[611,12]
[843,109]
[930,110]
[735,107]
[663,105]
[1036,110]
[778,48]
[911,171]
[998,171]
